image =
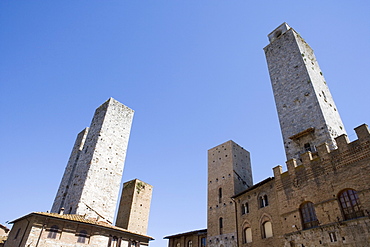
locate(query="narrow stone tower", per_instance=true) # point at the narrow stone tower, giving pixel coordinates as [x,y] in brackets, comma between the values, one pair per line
[134,207]
[92,178]
[229,173]
[307,113]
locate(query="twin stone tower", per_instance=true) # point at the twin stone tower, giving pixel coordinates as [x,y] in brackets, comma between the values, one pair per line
[91,181]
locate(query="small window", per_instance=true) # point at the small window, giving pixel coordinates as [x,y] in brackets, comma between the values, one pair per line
[190,243]
[53,232]
[267,230]
[350,204]
[134,244]
[333,237]
[263,201]
[245,208]
[307,147]
[220,195]
[203,242]
[82,237]
[308,215]
[116,242]
[248,235]
[221,225]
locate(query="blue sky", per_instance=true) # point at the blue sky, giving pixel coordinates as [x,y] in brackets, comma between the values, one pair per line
[193,71]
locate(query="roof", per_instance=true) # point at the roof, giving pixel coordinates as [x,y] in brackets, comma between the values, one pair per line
[3,239]
[6,229]
[80,219]
[254,186]
[199,232]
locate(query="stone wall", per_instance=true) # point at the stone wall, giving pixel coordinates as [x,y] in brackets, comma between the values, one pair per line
[320,179]
[306,109]
[92,179]
[229,172]
[134,207]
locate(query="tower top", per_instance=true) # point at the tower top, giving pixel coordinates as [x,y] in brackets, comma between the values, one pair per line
[278,31]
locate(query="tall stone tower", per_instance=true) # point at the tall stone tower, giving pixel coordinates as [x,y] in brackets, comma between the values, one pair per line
[91,181]
[229,173]
[307,113]
[134,207]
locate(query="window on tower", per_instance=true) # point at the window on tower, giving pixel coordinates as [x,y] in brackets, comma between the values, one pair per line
[220,195]
[221,225]
[307,147]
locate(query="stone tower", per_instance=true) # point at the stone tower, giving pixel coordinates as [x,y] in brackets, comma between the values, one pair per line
[92,178]
[134,207]
[229,173]
[307,113]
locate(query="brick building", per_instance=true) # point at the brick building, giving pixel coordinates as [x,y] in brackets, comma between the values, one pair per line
[323,197]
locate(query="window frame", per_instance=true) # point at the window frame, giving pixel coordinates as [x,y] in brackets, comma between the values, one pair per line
[82,237]
[53,232]
[350,205]
[308,215]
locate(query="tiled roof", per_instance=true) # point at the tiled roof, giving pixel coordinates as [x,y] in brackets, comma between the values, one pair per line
[203,231]
[81,219]
[254,186]
[4,227]
[3,239]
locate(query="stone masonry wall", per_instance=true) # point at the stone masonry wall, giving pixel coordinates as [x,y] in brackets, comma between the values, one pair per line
[69,173]
[94,187]
[134,207]
[229,172]
[303,100]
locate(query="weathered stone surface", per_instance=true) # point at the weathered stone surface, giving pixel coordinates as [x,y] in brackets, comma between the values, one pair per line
[229,173]
[91,182]
[134,207]
[306,109]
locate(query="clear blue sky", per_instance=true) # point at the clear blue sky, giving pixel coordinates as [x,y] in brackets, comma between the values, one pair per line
[194,72]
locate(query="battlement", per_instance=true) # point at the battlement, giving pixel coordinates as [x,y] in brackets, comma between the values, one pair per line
[346,153]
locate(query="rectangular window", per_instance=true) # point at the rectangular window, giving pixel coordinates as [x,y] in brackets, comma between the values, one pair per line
[203,242]
[333,237]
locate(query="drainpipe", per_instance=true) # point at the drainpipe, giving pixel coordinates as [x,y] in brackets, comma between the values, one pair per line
[38,239]
[236,222]
[28,222]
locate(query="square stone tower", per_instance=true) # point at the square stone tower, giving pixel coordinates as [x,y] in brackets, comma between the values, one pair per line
[229,173]
[92,178]
[134,207]
[307,113]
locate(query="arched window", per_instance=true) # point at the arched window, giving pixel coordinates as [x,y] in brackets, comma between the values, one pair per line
[308,215]
[247,235]
[190,243]
[178,245]
[114,242]
[221,224]
[267,230]
[53,231]
[263,201]
[245,208]
[350,204]
[82,237]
